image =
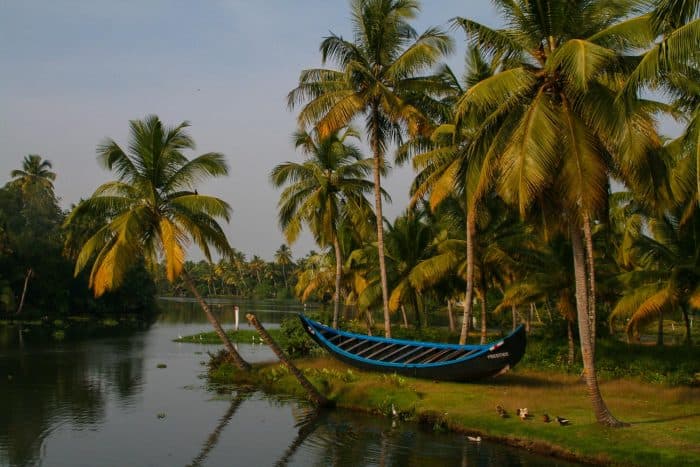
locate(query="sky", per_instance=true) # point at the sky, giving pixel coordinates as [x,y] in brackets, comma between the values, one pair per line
[73,73]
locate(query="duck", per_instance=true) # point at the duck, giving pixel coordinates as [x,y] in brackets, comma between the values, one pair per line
[563,421]
[474,439]
[501,411]
[523,413]
[546,419]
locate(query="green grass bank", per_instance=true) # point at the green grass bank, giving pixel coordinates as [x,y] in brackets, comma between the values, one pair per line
[665,421]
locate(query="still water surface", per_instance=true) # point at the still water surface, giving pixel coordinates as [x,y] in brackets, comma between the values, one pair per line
[98,398]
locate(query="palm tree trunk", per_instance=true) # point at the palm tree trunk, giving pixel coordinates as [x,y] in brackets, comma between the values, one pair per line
[527,320]
[316,397]
[483,307]
[483,321]
[590,264]
[378,163]
[235,356]
[450,316]
[686,319]
[28,276]
[570,338]
[338,274]
[601,411]
[514,316]
[404,317]
[469,293]
[660,330]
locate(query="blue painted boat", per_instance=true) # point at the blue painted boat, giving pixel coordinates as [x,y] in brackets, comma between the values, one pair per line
[430,360]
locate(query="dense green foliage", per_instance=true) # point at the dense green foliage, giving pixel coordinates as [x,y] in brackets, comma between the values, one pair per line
[34,260]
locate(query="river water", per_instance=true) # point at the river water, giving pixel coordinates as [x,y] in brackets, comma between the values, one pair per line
[95,396]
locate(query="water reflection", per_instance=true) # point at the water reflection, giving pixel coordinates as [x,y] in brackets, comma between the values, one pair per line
[213,437]
[41,388]
[132,396]
[270,312]
[339,438]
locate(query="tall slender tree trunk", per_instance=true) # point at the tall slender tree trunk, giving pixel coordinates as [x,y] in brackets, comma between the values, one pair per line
[686,319]
[660,330]
[315,396]
[378,163]
[570,338]
[450,316]
[527,320]
[483,321]
[28,276]
[235,356]
[404,317]
[514,315]
[338,275]
[590,266]
[601,411]
[483,307]
[469,293]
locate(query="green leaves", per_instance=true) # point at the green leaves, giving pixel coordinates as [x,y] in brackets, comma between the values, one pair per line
[145,212]
[579,61]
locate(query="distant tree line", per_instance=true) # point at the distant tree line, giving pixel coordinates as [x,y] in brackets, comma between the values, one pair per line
[37,260]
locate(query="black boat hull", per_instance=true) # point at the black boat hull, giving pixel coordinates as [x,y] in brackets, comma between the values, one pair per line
[484,361]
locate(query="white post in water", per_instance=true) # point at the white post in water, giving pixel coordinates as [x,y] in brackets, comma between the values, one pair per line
[235,316]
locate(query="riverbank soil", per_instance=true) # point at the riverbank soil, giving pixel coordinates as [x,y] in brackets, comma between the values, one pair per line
[664,421]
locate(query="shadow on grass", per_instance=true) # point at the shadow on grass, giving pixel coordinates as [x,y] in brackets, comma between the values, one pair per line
[531,381]
[667,419]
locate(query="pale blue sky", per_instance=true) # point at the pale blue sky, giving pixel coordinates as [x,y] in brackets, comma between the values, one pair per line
[74,72]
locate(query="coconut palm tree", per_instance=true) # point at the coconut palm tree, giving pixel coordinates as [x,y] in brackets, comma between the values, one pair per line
[39,206]
[666,274]
[283,258]
[547,276]
[34,172]
[455,162]
[153,210]
[330,185]
[377,77]
[409,241]
[553,119]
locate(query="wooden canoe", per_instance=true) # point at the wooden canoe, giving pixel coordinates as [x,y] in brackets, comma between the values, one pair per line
[430,360]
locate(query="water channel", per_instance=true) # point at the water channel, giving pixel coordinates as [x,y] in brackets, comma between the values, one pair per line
[97,396]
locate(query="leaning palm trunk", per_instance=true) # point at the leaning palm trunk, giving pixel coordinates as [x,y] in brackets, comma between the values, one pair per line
[315,396]
[237,359]
[469,293]
[24,290]
[338,274]
[602,412]
[380,218]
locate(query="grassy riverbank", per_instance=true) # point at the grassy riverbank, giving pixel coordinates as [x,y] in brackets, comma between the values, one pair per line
[665,421]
